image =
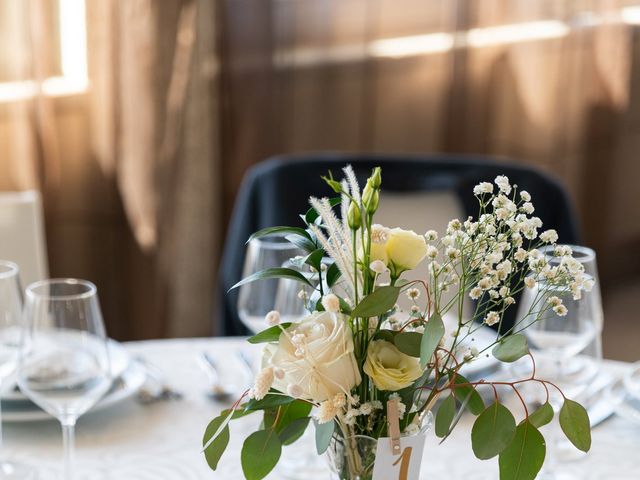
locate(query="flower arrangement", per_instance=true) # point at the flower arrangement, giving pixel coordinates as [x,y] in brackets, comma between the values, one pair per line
[357,351]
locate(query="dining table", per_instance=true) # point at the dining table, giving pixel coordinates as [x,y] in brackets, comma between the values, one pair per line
[132,440]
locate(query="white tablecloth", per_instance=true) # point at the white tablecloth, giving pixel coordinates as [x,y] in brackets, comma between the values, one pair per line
[162,441]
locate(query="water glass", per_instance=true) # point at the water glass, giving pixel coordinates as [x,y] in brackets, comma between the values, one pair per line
[63,365]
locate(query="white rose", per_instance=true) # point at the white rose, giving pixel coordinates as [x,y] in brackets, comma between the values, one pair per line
[315,354]
[405,248]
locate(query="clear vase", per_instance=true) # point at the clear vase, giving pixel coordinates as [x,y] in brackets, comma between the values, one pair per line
[354,457]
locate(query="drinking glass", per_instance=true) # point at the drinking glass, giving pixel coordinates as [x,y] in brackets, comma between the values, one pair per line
[256,299]
[10,320]
[64,362]
[571,351]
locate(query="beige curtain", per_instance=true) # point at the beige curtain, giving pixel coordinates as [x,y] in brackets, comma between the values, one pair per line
[127,168]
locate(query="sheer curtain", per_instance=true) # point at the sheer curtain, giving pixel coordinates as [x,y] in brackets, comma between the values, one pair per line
[547,82]
[127,163]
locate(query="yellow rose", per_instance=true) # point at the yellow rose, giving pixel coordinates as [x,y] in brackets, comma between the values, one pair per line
[389,368]
[405,248]
[379,252]
[316,355]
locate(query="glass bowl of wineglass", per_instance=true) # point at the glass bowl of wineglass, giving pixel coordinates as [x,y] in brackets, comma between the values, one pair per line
[256,299]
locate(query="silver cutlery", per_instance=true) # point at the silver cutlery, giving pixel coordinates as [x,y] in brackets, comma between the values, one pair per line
[155,389]
[218,390]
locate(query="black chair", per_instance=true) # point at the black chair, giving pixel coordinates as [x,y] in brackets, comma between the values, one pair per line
[276,191]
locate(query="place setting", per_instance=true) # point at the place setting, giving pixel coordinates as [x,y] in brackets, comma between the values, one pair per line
[58,364]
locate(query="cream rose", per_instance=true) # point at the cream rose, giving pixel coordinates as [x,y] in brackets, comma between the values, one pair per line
[389,368]
[315,354]
[405,248]
[379,252]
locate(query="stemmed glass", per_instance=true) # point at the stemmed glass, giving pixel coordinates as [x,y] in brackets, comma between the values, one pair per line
[256,299]
[64,362]
[571,346]
[10,320]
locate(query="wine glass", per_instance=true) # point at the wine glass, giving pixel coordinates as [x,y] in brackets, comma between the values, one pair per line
[10,320]
[258,298]
[571,349]
[64,362]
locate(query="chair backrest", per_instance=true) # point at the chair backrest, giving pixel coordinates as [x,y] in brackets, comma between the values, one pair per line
[22,238]
[274,192]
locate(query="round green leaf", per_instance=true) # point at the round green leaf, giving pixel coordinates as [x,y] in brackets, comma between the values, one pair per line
[215,449]
[467,394]
[287,414]
[574,422]
[445,415]
[408,343]
[324,432]
[524,456]
[260,453]
[294,430]
[433,333]
[542,415]
[378,302]
[492,431]
[511,348]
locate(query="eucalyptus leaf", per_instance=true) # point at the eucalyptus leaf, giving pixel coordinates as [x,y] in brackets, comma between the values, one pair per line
[286,414]
[444,416]
[433,333]
[260,453]
[378,302]
[333,274]
[226,416]
[266,232]
[467,393]
[511,348]
[271,334]
[324,432]
[408,343]
[294,430]
[277,272]
[238,413]
[271,400]
[216,448]
[492,431]
[541,416]
[387,335]
[574,422]
[457,417]
[523,458]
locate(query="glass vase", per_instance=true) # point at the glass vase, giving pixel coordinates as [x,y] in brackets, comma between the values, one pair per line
[354,457]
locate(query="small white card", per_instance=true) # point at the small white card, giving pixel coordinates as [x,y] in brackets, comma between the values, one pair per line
[404,466]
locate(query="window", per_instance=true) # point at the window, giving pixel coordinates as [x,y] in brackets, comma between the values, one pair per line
[64,21]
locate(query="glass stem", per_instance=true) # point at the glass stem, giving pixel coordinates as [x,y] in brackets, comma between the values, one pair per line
[1,441]
[68,441]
